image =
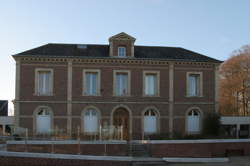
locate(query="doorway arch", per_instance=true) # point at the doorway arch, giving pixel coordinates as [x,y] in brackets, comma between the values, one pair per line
[121,116]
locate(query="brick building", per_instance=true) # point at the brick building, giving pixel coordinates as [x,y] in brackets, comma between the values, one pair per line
[144,89]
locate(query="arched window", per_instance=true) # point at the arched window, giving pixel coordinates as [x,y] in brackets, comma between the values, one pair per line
[150,121]
[43,121]
[193,121]
[90,119]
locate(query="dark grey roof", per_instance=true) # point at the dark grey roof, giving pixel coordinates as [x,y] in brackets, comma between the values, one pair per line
[102,51]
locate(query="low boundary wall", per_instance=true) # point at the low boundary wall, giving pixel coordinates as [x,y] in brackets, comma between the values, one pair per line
[157,148]
[200,148]
[110,148]
[43,159]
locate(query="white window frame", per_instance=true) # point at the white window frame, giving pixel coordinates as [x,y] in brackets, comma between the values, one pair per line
[115,72]
[119,52]
[98,81]
[157,88]
[200,82]
[37,70]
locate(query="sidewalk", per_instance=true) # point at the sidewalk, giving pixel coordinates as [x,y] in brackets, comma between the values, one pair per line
[233,161]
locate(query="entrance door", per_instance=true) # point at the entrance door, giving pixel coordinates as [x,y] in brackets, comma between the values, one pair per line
[121,119]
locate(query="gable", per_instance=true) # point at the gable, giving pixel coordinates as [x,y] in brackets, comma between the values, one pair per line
[122,36]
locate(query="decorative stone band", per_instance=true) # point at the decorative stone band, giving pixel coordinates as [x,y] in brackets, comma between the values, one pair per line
[132,60]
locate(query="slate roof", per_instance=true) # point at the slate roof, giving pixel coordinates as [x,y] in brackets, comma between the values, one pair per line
[102,51]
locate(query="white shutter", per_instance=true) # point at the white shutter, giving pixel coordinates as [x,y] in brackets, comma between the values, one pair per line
[94,84]
[118,85]
[40,83]
[47,83]
[125,84]
[88,84]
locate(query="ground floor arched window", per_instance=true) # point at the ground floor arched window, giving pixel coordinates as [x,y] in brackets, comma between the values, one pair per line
[43,121]
[150,121]
[193,121]
[90,118]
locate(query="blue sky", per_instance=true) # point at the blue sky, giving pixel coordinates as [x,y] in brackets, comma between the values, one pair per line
[213,27]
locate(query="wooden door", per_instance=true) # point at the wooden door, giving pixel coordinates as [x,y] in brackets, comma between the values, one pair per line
[121,118]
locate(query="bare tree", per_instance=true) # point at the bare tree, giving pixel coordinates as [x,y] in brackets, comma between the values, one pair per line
[235,83]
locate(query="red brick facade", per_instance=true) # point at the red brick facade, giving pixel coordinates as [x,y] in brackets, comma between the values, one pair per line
[67,108]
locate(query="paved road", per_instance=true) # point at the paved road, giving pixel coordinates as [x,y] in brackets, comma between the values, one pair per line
[233,161]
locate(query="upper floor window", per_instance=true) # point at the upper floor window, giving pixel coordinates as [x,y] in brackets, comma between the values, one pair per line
[194,84]
[121,83]
[44,82]
[121,51]
[151,83]
[91,82]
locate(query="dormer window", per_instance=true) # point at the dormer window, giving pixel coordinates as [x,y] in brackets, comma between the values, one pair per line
[121,51]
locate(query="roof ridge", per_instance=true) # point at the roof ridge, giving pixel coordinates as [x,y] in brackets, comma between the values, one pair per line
[76,44]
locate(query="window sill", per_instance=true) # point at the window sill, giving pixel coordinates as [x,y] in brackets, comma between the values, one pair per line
[151,96]
[194,96]
[122,96]
[44,95]
[91,95]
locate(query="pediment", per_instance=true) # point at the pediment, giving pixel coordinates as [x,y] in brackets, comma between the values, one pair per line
[122,36]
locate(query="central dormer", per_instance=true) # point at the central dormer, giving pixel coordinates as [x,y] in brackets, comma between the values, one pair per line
[121,45]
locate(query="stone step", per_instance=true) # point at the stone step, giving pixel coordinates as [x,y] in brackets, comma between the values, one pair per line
[139,147]
[140,154]
[150,163]
[139,150]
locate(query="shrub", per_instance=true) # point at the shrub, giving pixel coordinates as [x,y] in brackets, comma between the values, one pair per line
[211,124]
[17,137]
[160,136]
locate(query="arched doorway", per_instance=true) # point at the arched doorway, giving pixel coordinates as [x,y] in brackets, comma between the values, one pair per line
[121,119]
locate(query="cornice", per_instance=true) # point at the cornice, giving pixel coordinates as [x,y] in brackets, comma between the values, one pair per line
[108,60]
